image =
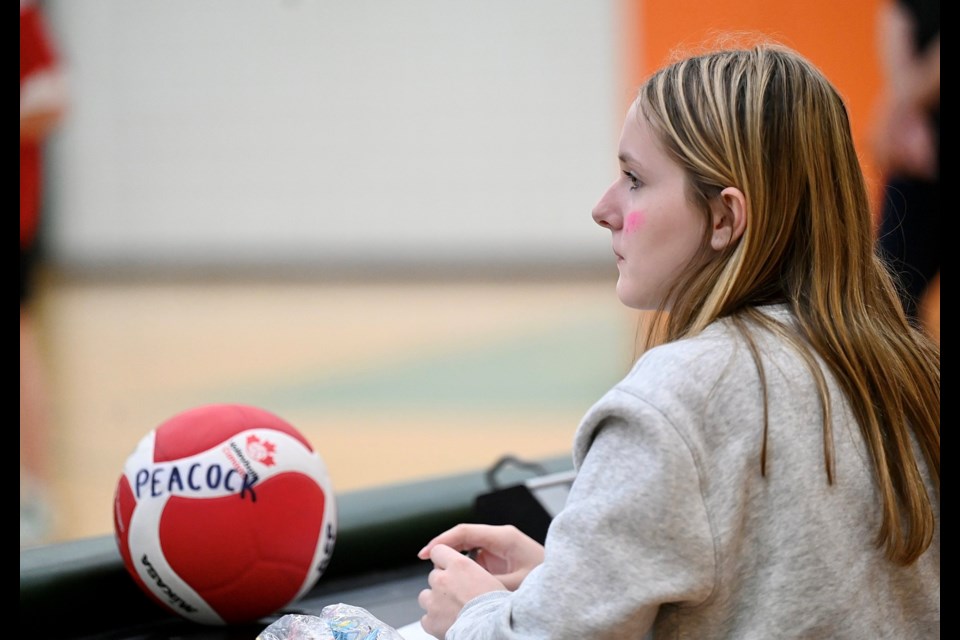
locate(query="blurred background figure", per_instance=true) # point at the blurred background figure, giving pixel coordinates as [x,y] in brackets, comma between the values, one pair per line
[42,105]
[907,150]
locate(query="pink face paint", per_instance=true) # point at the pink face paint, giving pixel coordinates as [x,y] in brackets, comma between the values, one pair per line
[633,221]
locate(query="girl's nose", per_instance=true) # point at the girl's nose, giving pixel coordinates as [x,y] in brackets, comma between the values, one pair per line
[606,213]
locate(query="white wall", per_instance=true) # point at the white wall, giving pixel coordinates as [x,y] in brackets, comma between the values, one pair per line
[350,132]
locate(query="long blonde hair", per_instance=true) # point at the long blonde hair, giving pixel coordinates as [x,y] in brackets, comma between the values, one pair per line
[765,120]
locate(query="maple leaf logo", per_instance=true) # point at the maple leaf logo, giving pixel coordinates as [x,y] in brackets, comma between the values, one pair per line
[261,450]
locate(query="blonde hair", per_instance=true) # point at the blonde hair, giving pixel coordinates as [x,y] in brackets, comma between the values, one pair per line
[766,121]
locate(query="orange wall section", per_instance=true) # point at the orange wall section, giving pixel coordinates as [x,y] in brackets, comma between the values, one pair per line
[838,37]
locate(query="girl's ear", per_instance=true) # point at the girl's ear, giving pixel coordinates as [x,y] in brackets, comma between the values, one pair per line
[728,218]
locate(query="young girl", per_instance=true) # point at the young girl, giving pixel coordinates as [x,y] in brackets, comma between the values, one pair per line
[773,468]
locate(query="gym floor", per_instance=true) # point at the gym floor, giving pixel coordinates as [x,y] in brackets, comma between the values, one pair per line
[391,381]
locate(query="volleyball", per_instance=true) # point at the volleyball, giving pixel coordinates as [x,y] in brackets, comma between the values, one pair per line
[225,514]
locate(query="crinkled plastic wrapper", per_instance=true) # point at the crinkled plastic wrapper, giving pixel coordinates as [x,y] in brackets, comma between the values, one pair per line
[335,622]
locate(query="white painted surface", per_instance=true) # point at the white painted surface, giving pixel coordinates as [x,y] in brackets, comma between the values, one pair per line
[361,132]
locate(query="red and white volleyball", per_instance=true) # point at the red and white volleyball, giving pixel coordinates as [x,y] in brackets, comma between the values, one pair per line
[225,514]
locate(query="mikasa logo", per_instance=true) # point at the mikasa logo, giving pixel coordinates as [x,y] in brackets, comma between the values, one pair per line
[165,588]
[247,467]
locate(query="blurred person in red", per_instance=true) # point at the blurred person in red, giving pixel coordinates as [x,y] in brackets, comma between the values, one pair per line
[42,107]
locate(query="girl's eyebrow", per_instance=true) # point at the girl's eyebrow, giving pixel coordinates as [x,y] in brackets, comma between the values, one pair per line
[631,165]
[626,158]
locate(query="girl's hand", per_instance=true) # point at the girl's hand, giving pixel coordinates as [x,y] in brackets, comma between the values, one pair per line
[454,581]
[504,551]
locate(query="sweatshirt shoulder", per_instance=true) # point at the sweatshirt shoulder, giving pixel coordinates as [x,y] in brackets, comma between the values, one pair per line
[690,366]
[710,388]
[722,355]
[672,385]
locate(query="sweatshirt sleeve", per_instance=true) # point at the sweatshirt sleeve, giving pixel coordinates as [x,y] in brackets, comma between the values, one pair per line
[633,537]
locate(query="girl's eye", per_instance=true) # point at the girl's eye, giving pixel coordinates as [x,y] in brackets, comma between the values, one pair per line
[634,180]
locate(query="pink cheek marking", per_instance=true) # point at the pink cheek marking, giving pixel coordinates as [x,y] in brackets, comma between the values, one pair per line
[633,221]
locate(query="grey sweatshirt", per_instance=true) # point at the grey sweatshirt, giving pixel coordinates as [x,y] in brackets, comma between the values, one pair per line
[671,530]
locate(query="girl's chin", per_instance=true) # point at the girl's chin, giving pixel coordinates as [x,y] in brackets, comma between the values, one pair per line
[632,300]
[625,295]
